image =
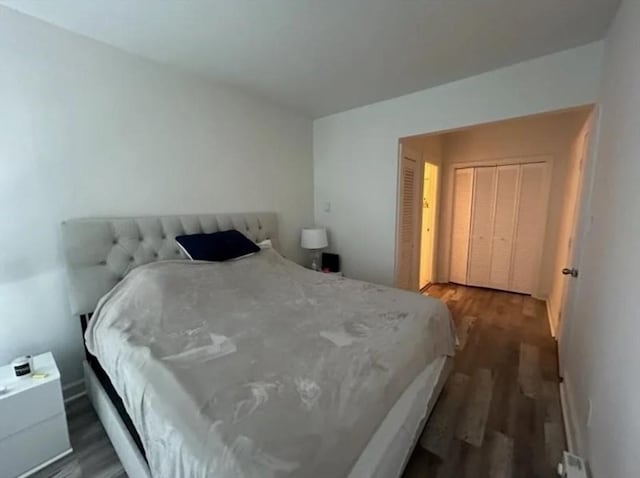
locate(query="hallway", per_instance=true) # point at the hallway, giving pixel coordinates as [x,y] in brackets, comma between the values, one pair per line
[499,414]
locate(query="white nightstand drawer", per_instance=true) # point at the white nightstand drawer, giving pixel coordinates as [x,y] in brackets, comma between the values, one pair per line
[30,406]
[31,447]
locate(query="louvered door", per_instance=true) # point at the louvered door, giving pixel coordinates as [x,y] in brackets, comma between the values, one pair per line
[503,225]
[529,232]
[461,227]
[480,245]
[409,221]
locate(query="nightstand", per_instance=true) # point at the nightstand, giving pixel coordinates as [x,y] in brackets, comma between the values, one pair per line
[34,425]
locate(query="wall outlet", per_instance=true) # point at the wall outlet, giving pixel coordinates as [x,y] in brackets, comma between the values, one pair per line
[589,412]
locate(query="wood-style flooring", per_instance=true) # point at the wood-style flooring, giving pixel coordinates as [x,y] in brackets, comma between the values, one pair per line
[92,456]
[498,415]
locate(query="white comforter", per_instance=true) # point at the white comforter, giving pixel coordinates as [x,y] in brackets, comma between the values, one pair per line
[258,367]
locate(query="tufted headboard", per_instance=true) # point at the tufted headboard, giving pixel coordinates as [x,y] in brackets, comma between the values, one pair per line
[100,251]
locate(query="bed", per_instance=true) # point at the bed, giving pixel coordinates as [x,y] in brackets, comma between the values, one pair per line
[255,367]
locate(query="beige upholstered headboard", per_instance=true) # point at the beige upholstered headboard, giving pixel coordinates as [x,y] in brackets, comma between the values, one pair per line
[100,251]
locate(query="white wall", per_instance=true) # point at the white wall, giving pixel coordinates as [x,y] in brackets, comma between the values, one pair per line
[430,147]
[604,357]
[356,152]
[88,130]
[550,135]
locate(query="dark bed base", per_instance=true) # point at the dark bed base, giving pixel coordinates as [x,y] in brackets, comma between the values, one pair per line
[111,391]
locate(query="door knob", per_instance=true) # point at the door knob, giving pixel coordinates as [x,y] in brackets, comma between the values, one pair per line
[570,272]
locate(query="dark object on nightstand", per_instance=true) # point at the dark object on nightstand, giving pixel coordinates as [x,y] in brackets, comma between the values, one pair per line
[330,262]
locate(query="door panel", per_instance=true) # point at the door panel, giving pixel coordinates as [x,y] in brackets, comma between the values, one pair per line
[484,185]
[409,198]
[461,227]
[529,228]
[504,225]
[580,226]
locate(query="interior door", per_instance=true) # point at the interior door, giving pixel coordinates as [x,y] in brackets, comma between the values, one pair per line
[579,231]
[504,225]
[409,219]
[461,224]
[567,231]
[530,227]
[479,266]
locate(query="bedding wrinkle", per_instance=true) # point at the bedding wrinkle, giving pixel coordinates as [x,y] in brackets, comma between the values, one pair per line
[220,346]
[259,395]
[309,392]
[259,368]
[338,338]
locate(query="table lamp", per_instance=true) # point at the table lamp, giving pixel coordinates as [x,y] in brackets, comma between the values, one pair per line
[314,239]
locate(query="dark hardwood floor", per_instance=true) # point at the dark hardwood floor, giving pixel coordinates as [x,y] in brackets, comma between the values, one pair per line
[498,416]
[92,456]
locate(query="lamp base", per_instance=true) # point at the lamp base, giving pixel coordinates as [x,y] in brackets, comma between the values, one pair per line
[315,259]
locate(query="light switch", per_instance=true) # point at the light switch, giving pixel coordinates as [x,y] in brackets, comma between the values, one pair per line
[327,206]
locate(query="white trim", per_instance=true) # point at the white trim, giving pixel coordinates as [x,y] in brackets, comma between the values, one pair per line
[554,332]
[132,460]
[73,390]
[75,397]
[45,464]
[505,161]
[569,419]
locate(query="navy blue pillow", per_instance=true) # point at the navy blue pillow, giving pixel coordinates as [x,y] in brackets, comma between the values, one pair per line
[218,246]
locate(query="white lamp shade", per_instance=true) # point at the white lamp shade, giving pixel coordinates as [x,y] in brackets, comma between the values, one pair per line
[314,238]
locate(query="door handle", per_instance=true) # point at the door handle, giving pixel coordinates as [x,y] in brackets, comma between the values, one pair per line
[570,272]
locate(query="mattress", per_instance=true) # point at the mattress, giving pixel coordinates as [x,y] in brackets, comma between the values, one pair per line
[390,447]
[260,368]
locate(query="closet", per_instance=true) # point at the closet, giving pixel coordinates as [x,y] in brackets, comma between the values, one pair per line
[499,215]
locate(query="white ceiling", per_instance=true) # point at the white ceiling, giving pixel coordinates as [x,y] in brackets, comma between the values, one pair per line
[325,56]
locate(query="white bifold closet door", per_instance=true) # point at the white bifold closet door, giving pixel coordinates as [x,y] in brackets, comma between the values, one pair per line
[504,225]
[529,233]
[498,226]
[462,200]
[484,195]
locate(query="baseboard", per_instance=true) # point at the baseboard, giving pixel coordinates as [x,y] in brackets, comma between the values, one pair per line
[549,315]
[574,443]
[424,289]
[73,390]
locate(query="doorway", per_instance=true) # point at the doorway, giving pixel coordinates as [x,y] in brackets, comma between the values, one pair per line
[417,214]
[429,218]
[526,161]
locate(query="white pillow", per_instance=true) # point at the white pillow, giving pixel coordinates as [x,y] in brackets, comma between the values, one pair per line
[266,244]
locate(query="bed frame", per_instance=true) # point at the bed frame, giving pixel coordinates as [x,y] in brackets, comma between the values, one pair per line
[99,252]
